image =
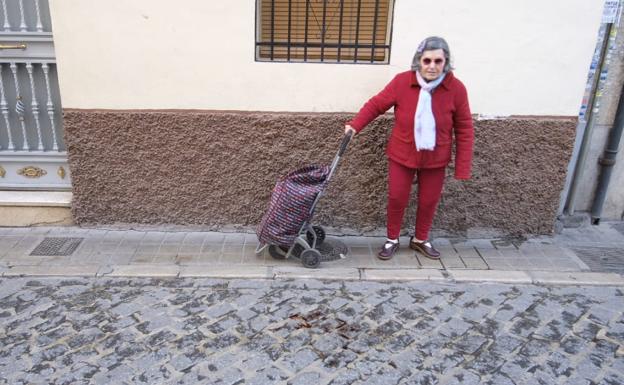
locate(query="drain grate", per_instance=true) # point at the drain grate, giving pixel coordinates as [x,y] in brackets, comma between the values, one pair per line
[56,247]
[331,249]
[619,227]
[602,259]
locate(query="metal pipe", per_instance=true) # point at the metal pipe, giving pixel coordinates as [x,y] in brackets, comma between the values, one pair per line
[570,204]
[607,161]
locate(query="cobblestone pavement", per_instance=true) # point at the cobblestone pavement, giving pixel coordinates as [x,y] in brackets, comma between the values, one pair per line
[212,331]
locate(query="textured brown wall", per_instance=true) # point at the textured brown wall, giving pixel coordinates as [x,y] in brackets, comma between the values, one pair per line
[218,168]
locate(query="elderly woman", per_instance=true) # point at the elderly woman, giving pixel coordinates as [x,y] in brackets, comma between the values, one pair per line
[430,105]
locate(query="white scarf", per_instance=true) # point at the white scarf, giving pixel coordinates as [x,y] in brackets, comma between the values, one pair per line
[424,121]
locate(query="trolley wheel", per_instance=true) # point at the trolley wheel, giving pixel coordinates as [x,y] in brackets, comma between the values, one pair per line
[277,252]
[320,235]
[311,258]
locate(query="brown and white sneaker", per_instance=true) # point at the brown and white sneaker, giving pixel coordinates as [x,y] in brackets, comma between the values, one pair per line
[387,250]
[425,248]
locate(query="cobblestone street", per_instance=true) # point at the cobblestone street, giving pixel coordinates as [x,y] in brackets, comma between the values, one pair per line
[212,331]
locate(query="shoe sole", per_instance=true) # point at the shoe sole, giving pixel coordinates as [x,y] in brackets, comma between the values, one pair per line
[421,251]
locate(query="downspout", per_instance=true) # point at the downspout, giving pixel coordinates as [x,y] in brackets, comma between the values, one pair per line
[586,128]
[607,161]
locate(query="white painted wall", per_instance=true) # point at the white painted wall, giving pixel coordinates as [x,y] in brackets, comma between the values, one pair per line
[526,57]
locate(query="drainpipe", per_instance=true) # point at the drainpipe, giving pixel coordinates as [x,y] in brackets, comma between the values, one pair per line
[587,126]
[607,161]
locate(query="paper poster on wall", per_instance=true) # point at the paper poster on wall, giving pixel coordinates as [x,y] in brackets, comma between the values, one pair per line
[611,13]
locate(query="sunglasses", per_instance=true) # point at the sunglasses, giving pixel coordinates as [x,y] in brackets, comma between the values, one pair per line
[427,61]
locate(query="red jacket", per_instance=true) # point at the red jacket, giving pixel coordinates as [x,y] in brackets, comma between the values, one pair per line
[450,107]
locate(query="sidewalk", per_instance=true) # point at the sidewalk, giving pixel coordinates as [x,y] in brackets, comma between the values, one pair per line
[588,255]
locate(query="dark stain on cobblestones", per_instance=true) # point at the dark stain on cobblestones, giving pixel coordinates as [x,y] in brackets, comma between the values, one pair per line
[159,338]
[40,368]
[605,349]
[552,331]
[193,322]
[274,353]
[308,300]
[486,363]
[488,327]
[400,342]
[107,328]
[82,340]
[525,326]
[53,352]
[389,328]
[535,347]
[129,350]
[190,340]
[486,301]
[377,313]
[348,311]
[86,298]
[52,336]
[20,305]
[296,341]
[410,314]
[506,307]
[222,342]
[558,365]
[469,343]
[340,359]
[425,323]
[570,319]
[88,371]
[187,299]
[67,361]
[127,296]
[53,320]
[449,360]
[144,327]
[111,341]
[572,344]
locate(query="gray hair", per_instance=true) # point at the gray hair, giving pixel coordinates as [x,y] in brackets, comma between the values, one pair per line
[429,44]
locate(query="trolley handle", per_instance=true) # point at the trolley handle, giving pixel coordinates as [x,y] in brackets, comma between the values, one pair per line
[345,143]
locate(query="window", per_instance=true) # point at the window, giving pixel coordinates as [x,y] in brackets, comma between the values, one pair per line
[333,31]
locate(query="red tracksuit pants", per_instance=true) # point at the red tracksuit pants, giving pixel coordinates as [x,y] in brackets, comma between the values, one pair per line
[430,184]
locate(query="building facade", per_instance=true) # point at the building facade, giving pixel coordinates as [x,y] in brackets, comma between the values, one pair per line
[187,114]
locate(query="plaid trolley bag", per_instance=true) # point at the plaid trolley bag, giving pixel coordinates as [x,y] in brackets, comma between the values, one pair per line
[285,227]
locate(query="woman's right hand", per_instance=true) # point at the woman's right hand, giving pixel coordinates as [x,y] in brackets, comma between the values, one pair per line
[348,129]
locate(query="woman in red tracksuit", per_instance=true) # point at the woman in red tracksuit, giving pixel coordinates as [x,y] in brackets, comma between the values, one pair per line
[430,106]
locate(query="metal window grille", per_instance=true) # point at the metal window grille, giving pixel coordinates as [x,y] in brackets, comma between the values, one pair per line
[332,31]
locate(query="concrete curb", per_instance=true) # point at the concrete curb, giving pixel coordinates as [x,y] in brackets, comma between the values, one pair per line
[203,271]
[576,278]
[340,273]
[548,278]
[144,270]
[498,276]
[39,271]
[402,275]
